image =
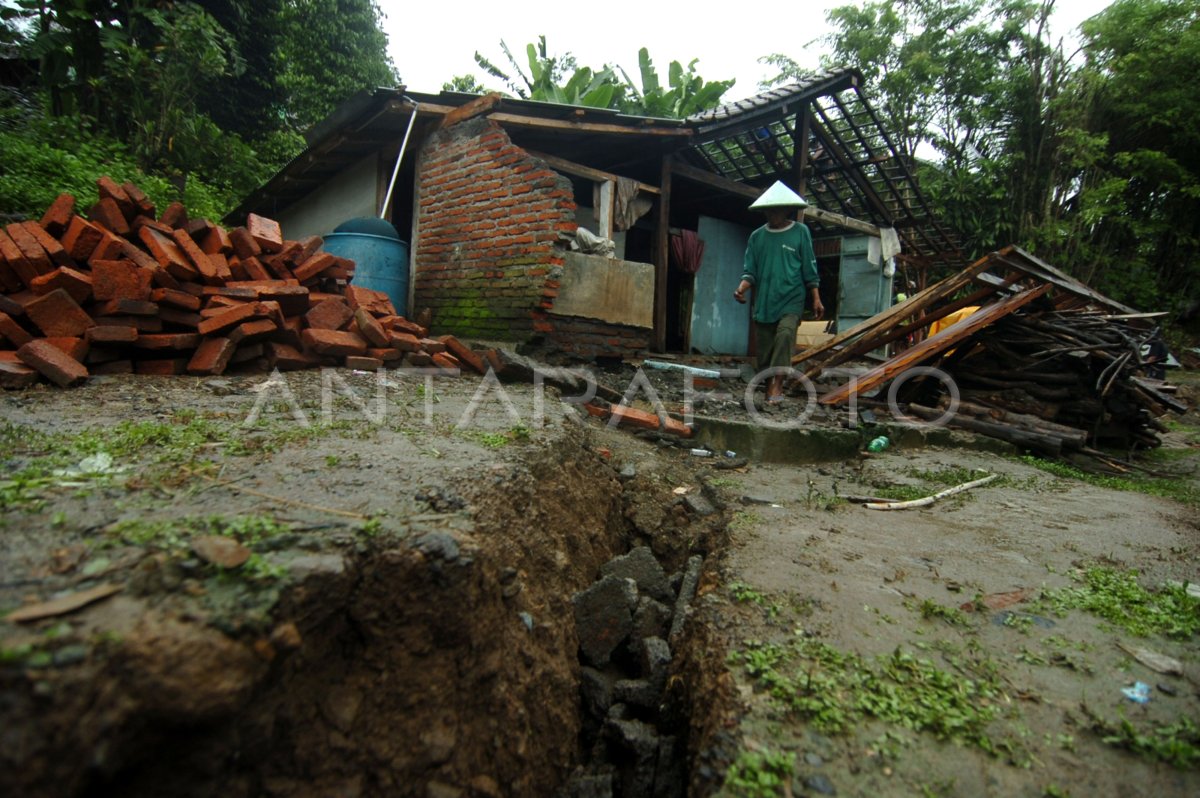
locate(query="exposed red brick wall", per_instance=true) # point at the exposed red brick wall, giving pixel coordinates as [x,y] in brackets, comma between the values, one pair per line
[490,220]
[489,250]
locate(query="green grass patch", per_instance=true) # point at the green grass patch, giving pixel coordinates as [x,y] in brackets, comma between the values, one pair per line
[838,690]
[1118,598]
[1177,744]
[760,774]
[1180,489]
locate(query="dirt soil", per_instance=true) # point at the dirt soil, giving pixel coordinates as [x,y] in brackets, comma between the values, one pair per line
[403,623]
[810,578]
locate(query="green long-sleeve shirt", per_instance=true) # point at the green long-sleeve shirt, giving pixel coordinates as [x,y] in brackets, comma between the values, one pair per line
[780,264]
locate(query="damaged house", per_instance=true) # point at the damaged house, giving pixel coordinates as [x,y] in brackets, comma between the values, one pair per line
[491,194]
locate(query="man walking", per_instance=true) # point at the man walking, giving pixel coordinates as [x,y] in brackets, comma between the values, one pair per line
[782,269]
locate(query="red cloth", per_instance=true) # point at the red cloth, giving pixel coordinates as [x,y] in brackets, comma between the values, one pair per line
[687,250]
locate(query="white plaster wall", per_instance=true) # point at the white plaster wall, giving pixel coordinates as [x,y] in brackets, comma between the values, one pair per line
[348,195]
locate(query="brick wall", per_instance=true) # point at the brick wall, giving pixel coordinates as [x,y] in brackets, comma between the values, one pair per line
[488,252]
[489,222]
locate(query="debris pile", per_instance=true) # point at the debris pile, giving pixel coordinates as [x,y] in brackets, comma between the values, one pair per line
[121,290]
[1039,359]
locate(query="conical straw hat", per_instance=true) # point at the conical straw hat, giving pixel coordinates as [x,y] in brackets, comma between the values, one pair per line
[778,196]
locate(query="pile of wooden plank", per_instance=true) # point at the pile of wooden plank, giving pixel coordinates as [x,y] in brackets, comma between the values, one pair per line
[120,290]
[1044,362]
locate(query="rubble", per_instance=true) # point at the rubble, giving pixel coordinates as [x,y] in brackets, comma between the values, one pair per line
[116,290]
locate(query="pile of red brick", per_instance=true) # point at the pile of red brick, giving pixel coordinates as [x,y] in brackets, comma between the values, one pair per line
[121,291]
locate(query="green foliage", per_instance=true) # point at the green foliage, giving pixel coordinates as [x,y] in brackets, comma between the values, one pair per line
[760,774]
[329,50]
[44,157]
[1177,744]
[686,92]
[1180,489]
[1117,597]
[554,78]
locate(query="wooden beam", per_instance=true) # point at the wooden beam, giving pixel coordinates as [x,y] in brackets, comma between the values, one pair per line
[916,303]
[516,120]
[579,170]
[478,106]
[751,193]
[948,338]
[801,144]
[841,220]
[661,254]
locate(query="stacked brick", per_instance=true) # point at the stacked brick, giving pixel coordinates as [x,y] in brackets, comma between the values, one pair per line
[491,219]
[121,290]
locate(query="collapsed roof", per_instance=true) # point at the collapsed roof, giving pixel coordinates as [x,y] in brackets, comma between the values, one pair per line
[839,155]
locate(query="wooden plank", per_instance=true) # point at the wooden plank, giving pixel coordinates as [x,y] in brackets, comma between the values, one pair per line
[579,170]
[476,107]
[749,192]
[661,253]
[1032,265]
[802,144]
[909,307]
[516,120]
[948,338]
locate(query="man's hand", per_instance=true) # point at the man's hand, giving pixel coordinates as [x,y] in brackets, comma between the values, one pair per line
[740,293]
[818,306]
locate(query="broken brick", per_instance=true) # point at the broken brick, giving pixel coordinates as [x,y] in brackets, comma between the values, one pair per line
[252,331]
[445,362]
[265,232]
[463,353]
[432,345]
[177,341]
[244,245]
[15,376]
[54,364]
[215,241]
[370,329]
[112,334]
[376,303]
[313,266]
[75,283]
[288,358]
[331,314]
[363,363]
[418,359]
[58,315]
[109,188]
[245,352]
[255,269]
[14,332]
[58,255]
[205,266]
[74,348]
[176,298]
[120,279]
[179,318]
[36,256]
[228,319]
[163,368]
[386,355]
[108,213]
[211,357]
[401,324]
[167,253]
[336,343]
[175,215]
[17,262]
[125,307]
[140,201]
[58,215]
[405,342]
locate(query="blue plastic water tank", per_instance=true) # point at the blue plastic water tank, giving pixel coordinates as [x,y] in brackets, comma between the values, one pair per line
[380,257]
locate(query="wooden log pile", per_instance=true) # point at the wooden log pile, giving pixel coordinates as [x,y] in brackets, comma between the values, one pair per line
[1061,381]
[1045,362]
[121,289]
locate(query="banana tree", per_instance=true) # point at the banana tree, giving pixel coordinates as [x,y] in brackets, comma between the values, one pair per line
[688,93]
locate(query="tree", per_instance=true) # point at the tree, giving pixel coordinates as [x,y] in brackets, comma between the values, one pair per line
[688,93]
[555,79]
[467,84]
[329,50]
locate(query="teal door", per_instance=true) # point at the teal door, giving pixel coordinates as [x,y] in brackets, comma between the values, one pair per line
[720,326]
[863,289]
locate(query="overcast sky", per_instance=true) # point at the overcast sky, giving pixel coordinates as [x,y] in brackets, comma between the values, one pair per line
[431,42]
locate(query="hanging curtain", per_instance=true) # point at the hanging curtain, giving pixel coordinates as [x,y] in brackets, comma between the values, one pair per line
[687,249]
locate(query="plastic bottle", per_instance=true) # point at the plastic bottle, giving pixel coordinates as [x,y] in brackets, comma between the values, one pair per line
[879,444]
[701,453]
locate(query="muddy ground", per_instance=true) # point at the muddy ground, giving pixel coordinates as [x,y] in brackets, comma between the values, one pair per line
[403,625]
